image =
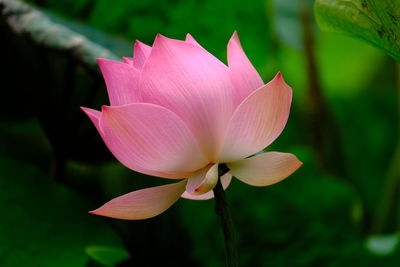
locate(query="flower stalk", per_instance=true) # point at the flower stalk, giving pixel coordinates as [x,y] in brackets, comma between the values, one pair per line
[222,210]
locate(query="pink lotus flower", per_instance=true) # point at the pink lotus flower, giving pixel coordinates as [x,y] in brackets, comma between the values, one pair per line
[177,112]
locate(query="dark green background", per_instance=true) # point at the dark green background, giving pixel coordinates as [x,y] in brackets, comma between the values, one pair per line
[54,167]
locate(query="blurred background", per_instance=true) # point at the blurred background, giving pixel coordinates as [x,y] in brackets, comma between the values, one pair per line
[341,208]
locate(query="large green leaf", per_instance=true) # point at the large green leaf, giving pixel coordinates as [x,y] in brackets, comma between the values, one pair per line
[375,21]
[45,224]
[46,29]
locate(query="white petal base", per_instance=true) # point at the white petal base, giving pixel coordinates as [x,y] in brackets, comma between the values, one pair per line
[203,180]
[225,180]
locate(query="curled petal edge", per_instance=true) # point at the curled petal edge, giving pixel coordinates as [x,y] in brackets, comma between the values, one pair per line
[225,180]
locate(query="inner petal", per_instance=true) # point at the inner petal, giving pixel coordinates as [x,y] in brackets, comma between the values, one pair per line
[192,83]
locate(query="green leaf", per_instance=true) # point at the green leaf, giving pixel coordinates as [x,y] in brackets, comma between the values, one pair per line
[375,21]
[49,30]
[116,45]
[43,223]
[109,256]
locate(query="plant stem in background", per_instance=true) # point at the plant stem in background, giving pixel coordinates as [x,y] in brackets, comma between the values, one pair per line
[324,132]
[391,192]
[398,154]
[390,199]
[222,210]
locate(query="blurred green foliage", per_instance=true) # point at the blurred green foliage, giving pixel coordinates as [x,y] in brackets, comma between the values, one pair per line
[43,223]
[108,256]
[54,166]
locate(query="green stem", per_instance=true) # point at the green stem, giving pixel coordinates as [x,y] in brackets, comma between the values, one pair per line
[389,204]
[222,210]
[390,195]
[324,131]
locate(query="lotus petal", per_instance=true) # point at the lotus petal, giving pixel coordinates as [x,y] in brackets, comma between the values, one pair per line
[258,120]
[225,180]
[244,76]
[265,169]
[142,204]
[121,80]
[192,83]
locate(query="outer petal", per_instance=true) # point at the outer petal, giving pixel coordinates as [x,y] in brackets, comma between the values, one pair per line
[194,84]
[121,80]
[244,76]
[128,60]
[141,52]
[258,120]
[142,204]
[265,169]
[151,137]
[95,116]
[189,38]
[203,180]
[225,180]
